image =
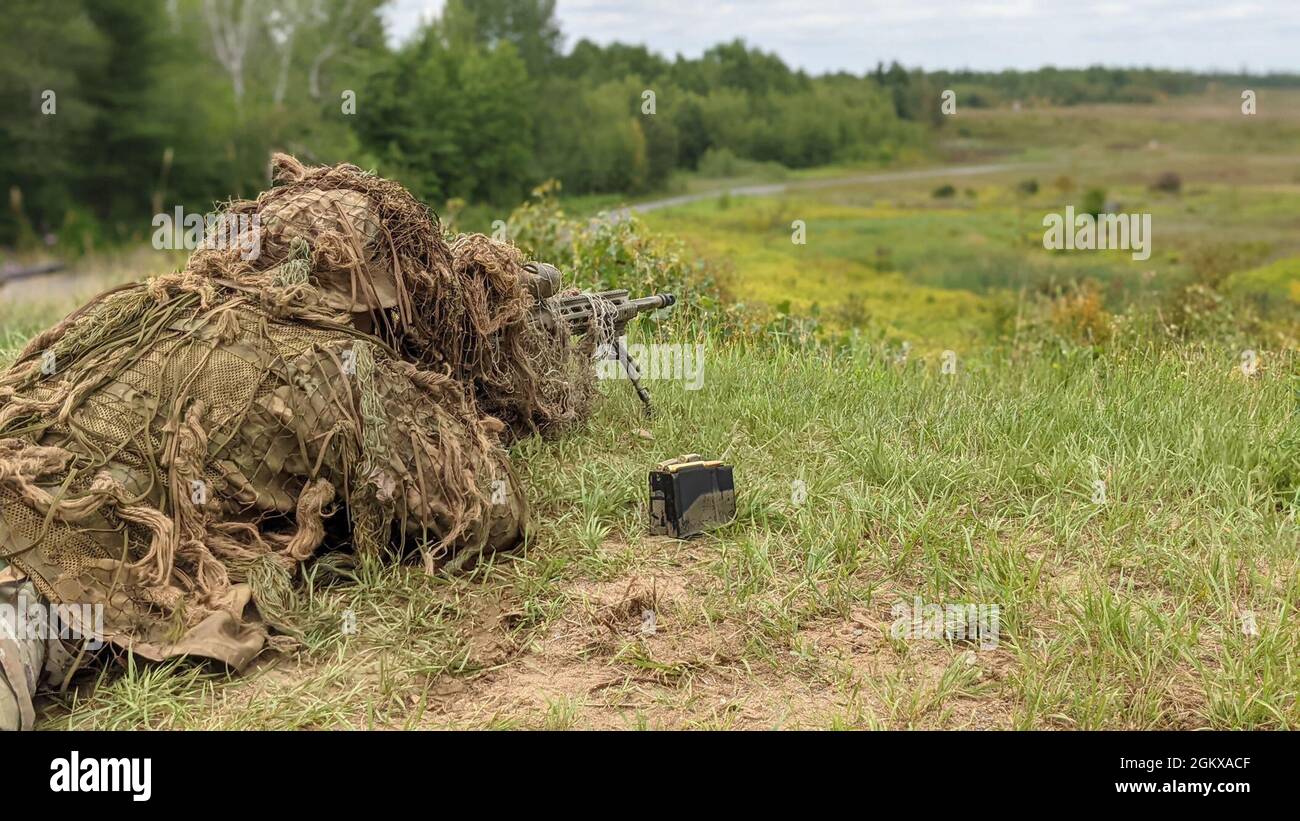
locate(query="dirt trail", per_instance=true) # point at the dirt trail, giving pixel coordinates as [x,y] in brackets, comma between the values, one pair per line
[767,189]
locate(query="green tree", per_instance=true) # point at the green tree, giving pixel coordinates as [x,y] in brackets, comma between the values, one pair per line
[46,47]
[126,135]
[528,25]
[451,122]
[595,143]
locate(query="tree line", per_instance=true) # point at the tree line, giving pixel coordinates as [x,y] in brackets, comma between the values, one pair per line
[114,110]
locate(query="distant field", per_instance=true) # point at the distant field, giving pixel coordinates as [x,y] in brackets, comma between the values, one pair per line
[928,268]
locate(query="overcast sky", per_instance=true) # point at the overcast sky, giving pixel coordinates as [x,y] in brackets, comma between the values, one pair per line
[826,35]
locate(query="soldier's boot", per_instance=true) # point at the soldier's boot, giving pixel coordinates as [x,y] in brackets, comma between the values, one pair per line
[23,631]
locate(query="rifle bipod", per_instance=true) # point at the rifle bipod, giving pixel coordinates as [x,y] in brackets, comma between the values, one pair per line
[633,375]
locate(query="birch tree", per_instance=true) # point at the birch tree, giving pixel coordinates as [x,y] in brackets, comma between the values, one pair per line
[231,25]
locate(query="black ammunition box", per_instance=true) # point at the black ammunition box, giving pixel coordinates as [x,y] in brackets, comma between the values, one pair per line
[690,495]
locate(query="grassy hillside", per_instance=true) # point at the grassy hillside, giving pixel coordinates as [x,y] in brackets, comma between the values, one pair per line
[1169,604]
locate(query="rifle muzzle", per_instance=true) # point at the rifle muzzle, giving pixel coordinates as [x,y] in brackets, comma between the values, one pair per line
[653,303]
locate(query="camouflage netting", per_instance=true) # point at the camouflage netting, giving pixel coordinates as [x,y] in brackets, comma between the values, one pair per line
[176,449]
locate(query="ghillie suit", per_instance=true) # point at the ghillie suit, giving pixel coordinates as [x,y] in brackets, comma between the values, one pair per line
[176,449]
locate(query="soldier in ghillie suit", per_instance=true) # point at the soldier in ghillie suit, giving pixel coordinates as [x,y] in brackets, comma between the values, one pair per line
[172,452]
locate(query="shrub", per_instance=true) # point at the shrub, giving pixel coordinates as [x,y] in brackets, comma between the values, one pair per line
[1169,182]
[616,250]
[1080,316]
[1094,202]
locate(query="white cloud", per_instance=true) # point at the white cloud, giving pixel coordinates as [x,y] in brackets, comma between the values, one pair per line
[983,34]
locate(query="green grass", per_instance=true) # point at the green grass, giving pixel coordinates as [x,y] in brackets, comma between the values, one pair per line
[975,488]
[1280,279]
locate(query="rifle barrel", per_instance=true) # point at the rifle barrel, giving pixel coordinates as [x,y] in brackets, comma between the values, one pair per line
[651,303]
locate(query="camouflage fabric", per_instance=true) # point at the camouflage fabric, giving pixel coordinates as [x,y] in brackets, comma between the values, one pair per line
[37,648]
[176,449]
[275,428]
[21,657]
